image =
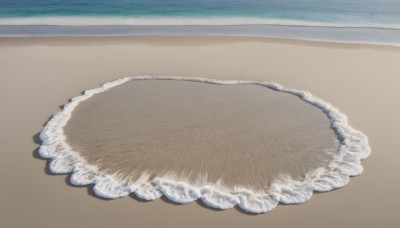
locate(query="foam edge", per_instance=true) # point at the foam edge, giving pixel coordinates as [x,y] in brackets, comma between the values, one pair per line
[345,163]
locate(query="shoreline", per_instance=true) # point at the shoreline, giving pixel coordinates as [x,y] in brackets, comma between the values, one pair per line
[341,35]
[40,74]
[182,41]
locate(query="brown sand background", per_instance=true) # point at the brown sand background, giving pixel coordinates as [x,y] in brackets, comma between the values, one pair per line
[39,75]
[242,135]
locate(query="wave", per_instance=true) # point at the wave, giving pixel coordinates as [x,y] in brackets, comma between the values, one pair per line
[345,163]
[149,21]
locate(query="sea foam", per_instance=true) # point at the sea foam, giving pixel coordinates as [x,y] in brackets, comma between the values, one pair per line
[346,162]
[168,21]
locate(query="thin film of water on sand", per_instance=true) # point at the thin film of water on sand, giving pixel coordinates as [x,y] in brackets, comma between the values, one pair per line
[236,135]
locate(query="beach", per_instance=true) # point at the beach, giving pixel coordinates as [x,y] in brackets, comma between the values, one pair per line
[38,75]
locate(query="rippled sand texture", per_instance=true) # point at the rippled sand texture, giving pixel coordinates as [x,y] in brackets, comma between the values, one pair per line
[244,135]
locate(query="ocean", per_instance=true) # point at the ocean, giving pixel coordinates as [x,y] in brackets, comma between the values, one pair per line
[358,21]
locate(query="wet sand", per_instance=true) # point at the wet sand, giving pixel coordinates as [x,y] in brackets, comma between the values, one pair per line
[239,135]
[39,75]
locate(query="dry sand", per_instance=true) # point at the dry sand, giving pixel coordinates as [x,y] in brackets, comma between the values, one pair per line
[39,75]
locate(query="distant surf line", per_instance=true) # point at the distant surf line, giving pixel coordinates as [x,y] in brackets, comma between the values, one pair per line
[158,21]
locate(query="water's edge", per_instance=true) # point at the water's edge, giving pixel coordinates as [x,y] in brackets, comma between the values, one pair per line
[347,162]
[354,35]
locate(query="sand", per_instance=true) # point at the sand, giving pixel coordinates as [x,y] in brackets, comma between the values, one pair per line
[39,75]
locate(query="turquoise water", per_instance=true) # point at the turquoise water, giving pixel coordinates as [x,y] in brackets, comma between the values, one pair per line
[360,12]
[365,21]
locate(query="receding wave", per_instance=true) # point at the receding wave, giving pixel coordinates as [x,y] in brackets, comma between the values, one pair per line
[92,21]
[344,162]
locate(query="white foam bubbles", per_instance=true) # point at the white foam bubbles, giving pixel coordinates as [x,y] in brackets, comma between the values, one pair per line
[167,21]
[345,163]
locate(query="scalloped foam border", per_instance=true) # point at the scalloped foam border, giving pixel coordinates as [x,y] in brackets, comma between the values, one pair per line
[345,163]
